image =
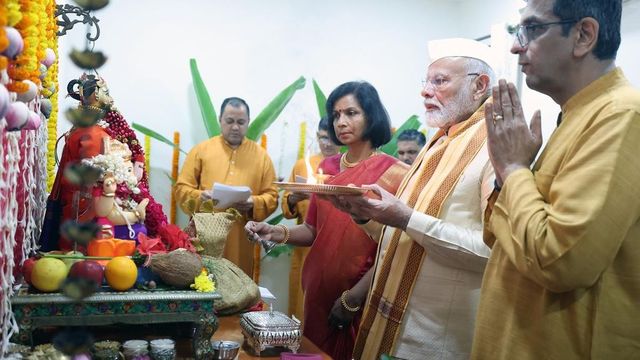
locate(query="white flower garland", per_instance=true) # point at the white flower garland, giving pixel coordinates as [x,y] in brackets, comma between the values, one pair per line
[9,169]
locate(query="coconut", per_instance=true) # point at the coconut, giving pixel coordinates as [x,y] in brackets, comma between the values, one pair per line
[177,268]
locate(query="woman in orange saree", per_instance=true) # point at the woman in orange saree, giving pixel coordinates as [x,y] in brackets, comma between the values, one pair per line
[336,274]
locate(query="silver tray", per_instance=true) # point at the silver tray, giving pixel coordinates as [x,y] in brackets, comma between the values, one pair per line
[264,329]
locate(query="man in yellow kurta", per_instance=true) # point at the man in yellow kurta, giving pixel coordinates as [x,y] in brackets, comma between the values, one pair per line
[295,206]
[563,280]
[231,159]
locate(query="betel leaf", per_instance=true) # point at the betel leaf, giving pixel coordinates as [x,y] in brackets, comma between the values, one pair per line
[321,100]
[155,135]
[391,148]
[270,113]
[207,110]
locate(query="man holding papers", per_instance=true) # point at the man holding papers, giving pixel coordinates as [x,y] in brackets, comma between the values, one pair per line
[231,159]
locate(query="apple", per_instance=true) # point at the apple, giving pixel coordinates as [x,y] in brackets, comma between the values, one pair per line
[27,268]
[87,269]
[70,262]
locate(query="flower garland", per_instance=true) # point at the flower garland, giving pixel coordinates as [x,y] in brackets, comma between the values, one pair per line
[147,151]
[4,41]
[174,174]
[27,63]
[23,170]
[303,137]
[50,90]
[14,15]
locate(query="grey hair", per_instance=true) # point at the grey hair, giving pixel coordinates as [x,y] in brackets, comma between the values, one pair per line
[473,65]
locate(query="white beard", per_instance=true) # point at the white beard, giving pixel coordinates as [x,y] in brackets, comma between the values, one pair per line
[448,115]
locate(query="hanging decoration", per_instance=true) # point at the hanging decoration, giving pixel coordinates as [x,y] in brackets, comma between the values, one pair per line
[28,96]
[303,138]
[88,58]
[174,174]
[147,159]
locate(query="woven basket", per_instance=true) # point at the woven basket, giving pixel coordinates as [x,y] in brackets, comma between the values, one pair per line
[210,231]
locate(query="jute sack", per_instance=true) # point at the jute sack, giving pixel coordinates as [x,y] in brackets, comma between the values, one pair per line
[238,291]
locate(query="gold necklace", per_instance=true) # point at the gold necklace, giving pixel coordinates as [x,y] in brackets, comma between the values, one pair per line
[346,164]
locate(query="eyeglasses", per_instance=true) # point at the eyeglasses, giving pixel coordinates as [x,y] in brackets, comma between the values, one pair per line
[526,33]
[440,81]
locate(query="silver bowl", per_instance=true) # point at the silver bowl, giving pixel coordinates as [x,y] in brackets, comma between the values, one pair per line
[225,350]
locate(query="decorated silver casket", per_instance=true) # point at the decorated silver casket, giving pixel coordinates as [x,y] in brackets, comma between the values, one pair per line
[270,329]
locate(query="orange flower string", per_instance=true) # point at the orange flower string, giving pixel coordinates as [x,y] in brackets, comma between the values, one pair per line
[174,174]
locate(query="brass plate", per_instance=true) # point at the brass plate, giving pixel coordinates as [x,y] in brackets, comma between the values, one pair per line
[324,189]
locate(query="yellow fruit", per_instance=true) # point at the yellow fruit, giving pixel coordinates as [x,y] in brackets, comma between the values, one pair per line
[48,274]
[121,273]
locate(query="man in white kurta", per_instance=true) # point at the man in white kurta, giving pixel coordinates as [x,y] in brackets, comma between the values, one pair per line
[431,255]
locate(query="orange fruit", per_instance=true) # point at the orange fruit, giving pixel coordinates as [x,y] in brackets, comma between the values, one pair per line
[121,273]
[48,274]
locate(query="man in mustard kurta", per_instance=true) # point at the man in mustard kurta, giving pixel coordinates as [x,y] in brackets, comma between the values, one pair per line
[295,206]
[231,159]
[563,279]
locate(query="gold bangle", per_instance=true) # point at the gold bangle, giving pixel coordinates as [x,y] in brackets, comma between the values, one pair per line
[108,194]
[343,301]
[287,233]
[137,214]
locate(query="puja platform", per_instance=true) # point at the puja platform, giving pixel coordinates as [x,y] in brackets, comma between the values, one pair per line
[34,311]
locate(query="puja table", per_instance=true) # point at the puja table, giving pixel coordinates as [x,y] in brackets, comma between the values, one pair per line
[34,311]
[230,330]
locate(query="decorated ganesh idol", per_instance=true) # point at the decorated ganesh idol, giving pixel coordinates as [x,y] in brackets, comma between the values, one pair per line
[96,120]
[115,208]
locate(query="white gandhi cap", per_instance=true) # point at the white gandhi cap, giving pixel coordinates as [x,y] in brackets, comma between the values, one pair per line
[455,47]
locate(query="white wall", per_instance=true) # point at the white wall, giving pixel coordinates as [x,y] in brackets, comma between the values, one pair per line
[254,48]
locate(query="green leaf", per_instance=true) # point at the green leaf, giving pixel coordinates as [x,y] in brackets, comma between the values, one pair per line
[269,114]
[209,116]
[155,135]
[280,250]
[173,181]
[321,100]
[391,148]
[276,219]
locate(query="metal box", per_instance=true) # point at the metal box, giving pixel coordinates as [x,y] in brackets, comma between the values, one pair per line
[267,329]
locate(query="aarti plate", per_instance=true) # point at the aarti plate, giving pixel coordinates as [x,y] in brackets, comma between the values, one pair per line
[324,189]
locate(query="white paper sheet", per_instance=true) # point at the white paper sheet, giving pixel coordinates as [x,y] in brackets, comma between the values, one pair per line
[227,195]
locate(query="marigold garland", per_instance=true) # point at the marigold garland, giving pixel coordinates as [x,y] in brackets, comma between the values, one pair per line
[4,41]
[303,137]
[35,22]
[174,174]
[13,13]
[147,158]
[50,90]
